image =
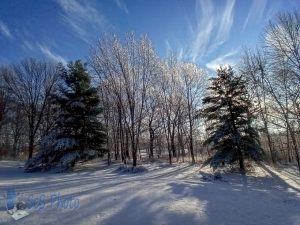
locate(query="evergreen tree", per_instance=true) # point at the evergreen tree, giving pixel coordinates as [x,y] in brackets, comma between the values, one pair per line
[227,114]
[78,133]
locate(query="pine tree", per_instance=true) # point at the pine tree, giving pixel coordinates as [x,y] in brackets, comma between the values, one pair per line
[78,134]
[227,113]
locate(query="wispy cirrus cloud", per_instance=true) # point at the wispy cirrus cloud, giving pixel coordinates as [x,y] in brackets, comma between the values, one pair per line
[176,48]
[205,25]
[50,54]
[5,31]
[121,5]
[226,23]
[213,27]
[168,46]
[82,16]
[28,45]
[256,12]
[227,59]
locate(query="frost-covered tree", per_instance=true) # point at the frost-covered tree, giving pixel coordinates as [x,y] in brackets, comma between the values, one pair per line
[193,87]
[125,69]
[227,113]
[78,133]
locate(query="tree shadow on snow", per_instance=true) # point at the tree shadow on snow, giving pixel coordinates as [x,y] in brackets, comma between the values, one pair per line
[114,199]
[240,199]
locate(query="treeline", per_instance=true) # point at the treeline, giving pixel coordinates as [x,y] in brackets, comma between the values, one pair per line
[152,107]
[273,77]
[149,104]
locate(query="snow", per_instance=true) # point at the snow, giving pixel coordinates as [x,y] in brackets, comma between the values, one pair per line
[69,157]
[160,195]
[64,143]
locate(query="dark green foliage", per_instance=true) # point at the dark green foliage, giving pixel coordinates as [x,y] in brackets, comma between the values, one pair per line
[78,104]
[78,133]
[228,118]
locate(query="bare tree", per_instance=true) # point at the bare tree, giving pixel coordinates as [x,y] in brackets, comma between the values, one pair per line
[283,52]
[30,84]
[273,76]
[283,40]
[253,70]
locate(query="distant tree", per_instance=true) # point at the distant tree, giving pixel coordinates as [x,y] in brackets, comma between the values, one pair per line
[227,112]
[78,133]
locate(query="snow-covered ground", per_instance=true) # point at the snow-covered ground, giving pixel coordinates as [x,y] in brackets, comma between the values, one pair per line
[160,196]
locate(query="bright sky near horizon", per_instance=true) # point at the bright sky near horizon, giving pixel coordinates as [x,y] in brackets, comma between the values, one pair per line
[208,32]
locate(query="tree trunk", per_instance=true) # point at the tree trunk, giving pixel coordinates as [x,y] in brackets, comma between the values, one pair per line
[116,150]
[168,141]
[295,146]
[31,146]
[108,158]
[241,160]
[192,149]
[108,149]
[127,145]
[269,142]
[288,146]
[180,142]
[134,157]
[191,130]
[151,142]
[169,151]
[173,148]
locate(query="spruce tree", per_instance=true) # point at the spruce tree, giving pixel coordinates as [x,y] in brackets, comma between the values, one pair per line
[227,114]
[78,134]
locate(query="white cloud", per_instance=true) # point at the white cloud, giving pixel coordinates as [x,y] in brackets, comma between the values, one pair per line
[180,54]
[175,47]
[226,22]
[5,31]
[205,24]
[256,12]
[121,4]
[227,59]
[213,27]
[168,46]
[47,52]
[82,16]
[28,45]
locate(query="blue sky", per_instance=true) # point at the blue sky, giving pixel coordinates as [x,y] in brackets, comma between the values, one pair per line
[207,32]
